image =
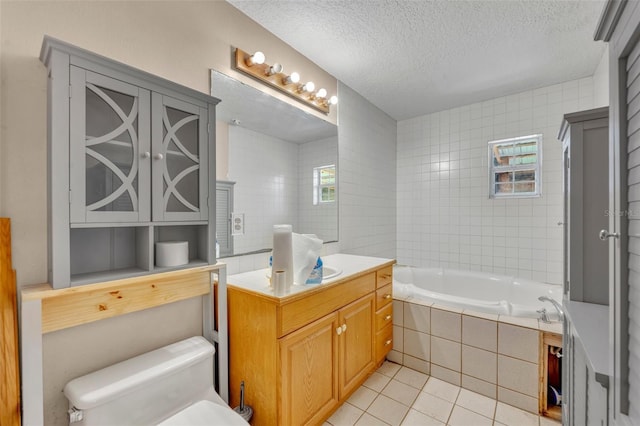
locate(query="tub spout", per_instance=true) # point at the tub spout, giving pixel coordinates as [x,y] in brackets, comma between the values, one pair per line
[555,305]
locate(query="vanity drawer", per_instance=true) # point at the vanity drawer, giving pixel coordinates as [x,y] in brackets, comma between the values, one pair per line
[384,317]
[301,312]
[384,276]
[384,341]
[383,296]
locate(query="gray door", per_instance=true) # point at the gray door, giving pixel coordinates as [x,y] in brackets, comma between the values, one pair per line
[109,150]
[179,160]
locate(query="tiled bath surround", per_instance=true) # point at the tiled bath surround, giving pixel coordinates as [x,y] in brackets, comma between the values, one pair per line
[445,217]
[496,356]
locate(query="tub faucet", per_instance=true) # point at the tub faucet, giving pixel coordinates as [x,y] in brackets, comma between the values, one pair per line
[543,311]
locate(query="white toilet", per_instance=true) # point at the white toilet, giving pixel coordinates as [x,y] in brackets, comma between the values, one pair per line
[172,385]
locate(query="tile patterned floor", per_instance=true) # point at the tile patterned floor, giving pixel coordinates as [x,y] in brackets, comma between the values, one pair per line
[397,395]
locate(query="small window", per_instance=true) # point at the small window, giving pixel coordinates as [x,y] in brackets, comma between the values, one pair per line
[514,167]
[324,184]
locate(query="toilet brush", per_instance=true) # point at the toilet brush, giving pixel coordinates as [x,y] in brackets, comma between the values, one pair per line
[244,410]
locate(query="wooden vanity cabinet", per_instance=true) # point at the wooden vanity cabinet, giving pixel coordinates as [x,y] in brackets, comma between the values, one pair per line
[384,313]
[302,355]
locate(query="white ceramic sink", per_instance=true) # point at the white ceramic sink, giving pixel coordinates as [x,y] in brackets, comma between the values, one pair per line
[330,272]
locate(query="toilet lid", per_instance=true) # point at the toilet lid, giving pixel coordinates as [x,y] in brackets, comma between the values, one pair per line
[205,413]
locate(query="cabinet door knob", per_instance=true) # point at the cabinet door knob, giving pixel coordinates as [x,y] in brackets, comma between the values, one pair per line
[387,296]
[339,330]
[158,156]
[146,154]
[387,318]
[604,234]
[344,327]
[387,343]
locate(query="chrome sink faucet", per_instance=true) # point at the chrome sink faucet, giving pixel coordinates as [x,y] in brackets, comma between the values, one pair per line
[543,311]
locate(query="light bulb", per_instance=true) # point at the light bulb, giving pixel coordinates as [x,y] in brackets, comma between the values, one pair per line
[309,86]
[322,93]
[274,69]
[257,58]
[333,100]
[293,78]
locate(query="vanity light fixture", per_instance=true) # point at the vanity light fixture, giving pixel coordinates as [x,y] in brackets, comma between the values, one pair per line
[257,58]
[272,75]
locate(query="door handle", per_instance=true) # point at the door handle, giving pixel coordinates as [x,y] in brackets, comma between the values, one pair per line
[604,234]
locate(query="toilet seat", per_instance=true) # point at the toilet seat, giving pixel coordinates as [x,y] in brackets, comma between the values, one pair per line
[205,413]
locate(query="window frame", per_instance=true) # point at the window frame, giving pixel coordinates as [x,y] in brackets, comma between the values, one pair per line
[318,186]
[537,167]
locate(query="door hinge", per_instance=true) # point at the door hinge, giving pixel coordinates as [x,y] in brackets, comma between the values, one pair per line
[208,127]
[70,91]
[69,196]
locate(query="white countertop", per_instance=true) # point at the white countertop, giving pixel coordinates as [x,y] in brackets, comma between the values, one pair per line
[350,264]
[591,322]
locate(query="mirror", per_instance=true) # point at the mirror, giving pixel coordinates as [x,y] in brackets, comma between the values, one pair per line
[275,164]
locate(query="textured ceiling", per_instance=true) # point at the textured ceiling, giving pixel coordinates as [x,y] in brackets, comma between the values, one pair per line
[411,58]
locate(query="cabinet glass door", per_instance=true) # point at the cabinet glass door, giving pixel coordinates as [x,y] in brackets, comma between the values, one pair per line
[109,149]
[179,167]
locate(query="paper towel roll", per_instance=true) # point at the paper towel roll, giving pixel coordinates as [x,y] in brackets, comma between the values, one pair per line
[283,252]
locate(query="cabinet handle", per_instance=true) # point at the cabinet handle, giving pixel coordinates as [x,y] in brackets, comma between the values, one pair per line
[387,318]
[339,330]
[386,296]
[146,154]
[387,343]
[158,156]
[344,327]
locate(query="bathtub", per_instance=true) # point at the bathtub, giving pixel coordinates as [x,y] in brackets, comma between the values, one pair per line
[477,291]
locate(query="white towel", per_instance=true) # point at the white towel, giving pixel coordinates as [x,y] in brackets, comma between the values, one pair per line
[306,250]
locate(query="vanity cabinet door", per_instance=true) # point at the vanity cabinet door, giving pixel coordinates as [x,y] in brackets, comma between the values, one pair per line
[357,350]
[179,160]
[109,150]
[309,373]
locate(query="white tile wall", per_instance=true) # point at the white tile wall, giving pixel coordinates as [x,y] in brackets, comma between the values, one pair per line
[266,191]
[444,214]
[276,191]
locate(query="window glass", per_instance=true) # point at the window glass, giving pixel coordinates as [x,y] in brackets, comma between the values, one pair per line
[515,167]
[324,184]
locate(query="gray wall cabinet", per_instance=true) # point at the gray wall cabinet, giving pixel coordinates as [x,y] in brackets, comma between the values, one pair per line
[130,158]
[585,142]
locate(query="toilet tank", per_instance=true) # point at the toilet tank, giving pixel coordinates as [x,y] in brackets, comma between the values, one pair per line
[144,389]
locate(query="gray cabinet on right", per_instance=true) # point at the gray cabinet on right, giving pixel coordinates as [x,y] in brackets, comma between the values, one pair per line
[585,153]
[585,156]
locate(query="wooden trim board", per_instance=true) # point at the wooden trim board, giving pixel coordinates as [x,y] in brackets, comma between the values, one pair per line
[69,307]
[10,386]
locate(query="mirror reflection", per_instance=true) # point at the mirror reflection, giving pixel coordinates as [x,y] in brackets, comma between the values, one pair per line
[274,164]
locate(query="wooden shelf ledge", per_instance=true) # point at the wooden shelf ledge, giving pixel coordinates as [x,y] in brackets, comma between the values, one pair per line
[69,307]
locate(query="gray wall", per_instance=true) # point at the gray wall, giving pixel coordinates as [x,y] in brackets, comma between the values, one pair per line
[367,177]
